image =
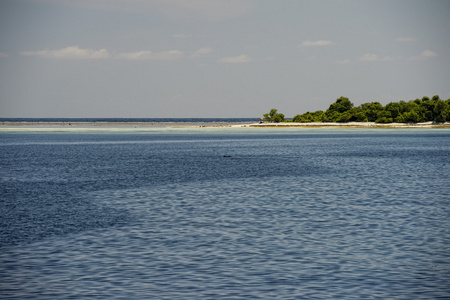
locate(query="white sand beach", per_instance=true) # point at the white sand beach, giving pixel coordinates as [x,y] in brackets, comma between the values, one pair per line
[68,126]
[354,125]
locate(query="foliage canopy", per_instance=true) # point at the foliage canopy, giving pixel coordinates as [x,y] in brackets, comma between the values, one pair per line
[342,110]
[274,116]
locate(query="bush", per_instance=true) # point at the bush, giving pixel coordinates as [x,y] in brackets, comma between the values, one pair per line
[383,120]
[274,116]
[341,105]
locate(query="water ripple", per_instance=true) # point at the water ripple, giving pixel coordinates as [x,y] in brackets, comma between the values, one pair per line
[370,228]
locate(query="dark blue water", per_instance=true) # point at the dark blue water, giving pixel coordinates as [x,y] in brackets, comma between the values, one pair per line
[245,214]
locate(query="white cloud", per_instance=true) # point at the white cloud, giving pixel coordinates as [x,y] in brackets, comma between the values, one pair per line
[204,51]
[316,43]
[374,57]
[406,39]
[72,52]
[75,52]
[236,59]
[3,54]
[342,62]
[424,55]
[428,53]
[149,55]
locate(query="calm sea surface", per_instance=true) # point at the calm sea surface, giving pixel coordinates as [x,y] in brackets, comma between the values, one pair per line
[225,214]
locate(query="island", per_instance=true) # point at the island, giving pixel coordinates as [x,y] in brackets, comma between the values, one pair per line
[423,112]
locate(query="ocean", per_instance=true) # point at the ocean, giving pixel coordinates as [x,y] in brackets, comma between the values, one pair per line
[220,213]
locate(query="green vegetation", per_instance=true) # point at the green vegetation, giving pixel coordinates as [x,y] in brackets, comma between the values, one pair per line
[414,111]
[274,117]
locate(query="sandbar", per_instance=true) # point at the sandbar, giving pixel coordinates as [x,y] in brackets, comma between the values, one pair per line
[355,125]
[149,125]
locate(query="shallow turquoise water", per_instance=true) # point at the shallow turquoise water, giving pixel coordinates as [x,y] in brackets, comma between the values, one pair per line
[225,214]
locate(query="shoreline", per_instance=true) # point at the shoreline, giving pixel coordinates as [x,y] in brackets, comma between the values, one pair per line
[115,124]
[356,125]
[143,125]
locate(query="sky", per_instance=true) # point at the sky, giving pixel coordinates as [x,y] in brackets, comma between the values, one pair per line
[217,58]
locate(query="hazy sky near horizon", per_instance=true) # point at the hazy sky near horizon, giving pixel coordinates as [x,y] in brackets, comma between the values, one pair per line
[217,58]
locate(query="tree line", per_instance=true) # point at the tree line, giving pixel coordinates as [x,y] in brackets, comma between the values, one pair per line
[413,111]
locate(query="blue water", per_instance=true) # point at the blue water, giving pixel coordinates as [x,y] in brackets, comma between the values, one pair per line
[217,214]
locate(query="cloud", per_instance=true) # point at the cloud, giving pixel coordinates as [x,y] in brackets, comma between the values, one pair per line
[72,52]
[424,55]
[316,43]
[342,62]
[428,53]
[75,52]
[149,55]
[236,59]
[406,39]
[3,54]
[374,57]
[204,51]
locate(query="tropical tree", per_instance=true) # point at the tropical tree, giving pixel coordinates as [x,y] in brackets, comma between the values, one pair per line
[344,117]
[384,116]
[309,117]
[440,111]
[342,110]
[341,105]
[393,108]
[411,117]
[274,116]
[371,110]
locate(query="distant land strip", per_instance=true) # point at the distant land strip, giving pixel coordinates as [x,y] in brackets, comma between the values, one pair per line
[355,125]
[344,111]
[110,124]
[219,124]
